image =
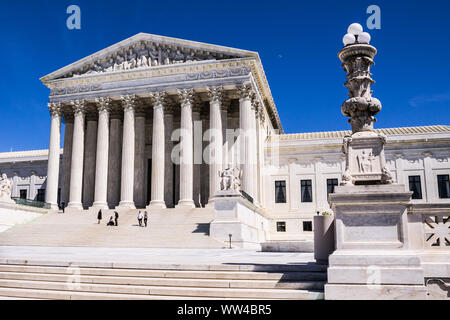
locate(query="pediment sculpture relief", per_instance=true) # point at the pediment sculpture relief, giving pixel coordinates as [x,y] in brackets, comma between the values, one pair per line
[145,55]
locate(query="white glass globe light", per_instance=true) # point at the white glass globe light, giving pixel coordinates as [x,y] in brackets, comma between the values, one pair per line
[349,39]
[364,37]
[355,28]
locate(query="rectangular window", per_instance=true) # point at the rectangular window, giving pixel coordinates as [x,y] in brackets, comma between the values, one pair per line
[331,183]
[40,195]
[415,187]
[307,225]
[280,191]
[443,186]
[306,188]
[23,194]
[281,226]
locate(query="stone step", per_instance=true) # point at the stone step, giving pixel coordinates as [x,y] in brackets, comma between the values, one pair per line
[165,291]
[169,282]
[173,274]
[17,298]
[37,294]
[139,269]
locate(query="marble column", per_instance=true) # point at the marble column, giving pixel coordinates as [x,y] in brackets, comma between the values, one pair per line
[140,198]
[198,154]
[225,150]
[76,170]
[114,158]
[216,140]
[51,195]
[90,147]
[67,159]
[168,164]
[158,151]
[261,150]
[186,154]
[205,164]
[128,144]
[101,171]
[245,149]
[256,105]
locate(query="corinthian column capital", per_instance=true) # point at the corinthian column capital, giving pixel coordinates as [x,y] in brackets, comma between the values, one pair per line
[159,99]
[55,108]
[245,91]
[78,106]
[128,102]
[186,97]
[215,93]
[103,104]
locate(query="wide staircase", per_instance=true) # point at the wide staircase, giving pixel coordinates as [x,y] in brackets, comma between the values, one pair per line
[293,282]
[167,228]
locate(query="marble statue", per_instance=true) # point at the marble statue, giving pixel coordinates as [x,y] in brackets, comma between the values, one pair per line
[230,179]
[5,189]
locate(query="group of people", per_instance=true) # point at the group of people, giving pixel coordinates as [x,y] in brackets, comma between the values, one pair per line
[114,221]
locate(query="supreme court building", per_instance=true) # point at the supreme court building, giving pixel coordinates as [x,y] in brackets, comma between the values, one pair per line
[152,120]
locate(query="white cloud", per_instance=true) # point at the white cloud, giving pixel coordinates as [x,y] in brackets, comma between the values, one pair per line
[424,99]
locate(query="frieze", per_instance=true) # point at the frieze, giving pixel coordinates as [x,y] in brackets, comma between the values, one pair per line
[72,90]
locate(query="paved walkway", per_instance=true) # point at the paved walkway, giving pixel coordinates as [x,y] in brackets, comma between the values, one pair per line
[153,255]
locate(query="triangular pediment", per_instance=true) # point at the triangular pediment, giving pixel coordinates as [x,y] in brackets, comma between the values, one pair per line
[146,51]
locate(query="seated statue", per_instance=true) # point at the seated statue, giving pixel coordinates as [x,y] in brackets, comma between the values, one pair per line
[5,189]
[230,179]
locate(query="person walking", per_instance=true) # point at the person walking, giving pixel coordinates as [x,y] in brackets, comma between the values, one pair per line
[116,218]
[145,218]
[139,217]
[99,216]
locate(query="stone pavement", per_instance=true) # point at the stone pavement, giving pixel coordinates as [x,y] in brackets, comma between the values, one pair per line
[152,256]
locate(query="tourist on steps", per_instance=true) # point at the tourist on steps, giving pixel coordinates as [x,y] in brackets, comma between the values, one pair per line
[99,216]
[145,218]
[116,218]
[111,222]
[139,217]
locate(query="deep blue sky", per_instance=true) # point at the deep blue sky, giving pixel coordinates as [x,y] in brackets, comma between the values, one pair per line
[298,43]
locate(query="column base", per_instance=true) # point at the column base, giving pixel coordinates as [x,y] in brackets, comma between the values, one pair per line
[74,206]
[99,205]
[53,206]
[157,204]
[126,205]
[185,204]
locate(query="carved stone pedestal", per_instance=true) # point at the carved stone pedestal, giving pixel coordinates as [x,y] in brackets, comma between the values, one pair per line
[372,258]
[365,159]
[236,216]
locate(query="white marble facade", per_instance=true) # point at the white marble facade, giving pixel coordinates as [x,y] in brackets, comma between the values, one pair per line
[128,108]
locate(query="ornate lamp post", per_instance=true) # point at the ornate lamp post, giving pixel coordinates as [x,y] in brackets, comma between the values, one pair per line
[364,148]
